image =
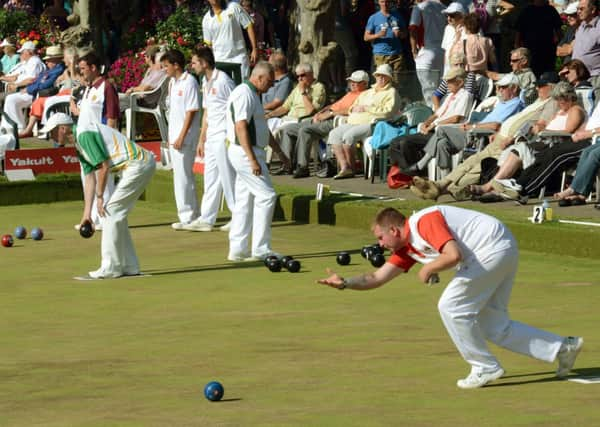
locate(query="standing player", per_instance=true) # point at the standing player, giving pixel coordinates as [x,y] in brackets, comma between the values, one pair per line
[474,305]
[99,104]
[248,135]
[222,30]
[105,150]
[219,175]
[184,130]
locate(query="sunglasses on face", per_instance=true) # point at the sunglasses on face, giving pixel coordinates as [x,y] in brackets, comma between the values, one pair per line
[301,76]
[515,59]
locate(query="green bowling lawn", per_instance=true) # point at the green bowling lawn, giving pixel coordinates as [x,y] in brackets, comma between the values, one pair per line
[138,351]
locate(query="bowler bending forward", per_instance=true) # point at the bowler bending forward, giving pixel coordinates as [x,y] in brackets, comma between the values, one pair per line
[474,305]
[104,149]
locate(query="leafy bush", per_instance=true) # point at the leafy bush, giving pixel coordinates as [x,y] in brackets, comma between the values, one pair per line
[15,21]
[182,30]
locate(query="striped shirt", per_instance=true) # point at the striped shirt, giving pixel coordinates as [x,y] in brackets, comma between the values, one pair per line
[98,143]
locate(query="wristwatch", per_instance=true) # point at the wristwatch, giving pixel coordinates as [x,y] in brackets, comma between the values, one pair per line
[343,285]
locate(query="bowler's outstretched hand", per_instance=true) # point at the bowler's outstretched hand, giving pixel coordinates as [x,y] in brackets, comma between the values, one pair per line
[334,280]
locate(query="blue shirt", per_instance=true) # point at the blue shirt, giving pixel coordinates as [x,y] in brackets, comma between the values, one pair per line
[46,79]
[280,90]
[503,110]
[388,45]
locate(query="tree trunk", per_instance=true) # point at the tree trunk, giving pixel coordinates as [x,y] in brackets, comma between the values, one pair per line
[314,35]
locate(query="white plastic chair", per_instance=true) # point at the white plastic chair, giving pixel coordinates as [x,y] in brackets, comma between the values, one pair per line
[159,113]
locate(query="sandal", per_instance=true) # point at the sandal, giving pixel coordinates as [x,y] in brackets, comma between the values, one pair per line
[575,200]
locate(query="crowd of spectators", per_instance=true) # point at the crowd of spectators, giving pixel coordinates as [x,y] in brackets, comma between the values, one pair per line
[457,52]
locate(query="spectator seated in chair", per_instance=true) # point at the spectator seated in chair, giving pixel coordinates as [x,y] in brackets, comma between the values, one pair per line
[11,58]
[306,98]
[380,102]
[534,158]
[58,93]
[16,102]
[587,167]
[297,138]
[25,72]
[282,85]
[406,151]
[458,182]
[153,77]
[519,63]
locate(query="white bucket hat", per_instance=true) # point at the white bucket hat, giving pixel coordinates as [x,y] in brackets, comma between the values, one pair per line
[384,70]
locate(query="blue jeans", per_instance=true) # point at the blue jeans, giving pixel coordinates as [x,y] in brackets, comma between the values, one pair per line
[587,169]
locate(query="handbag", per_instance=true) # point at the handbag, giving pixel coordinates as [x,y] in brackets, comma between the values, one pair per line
[396,179]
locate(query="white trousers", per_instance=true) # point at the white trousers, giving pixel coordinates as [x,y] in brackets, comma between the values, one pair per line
[108,191]
[429,80]
[219,179]
[349,134]
[118,252]
[254,205]
[474,308]
[184,183]
[14,105]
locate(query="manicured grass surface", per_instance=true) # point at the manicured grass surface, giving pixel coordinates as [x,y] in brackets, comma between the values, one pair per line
[138,352]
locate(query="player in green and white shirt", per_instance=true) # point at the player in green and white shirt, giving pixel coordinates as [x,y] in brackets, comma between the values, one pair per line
[103,150]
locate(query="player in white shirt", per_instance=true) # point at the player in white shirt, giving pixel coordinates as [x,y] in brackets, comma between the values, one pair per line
[248,135]
[474,305]
[222,31]
[184,131]
[105,151]
[219,176]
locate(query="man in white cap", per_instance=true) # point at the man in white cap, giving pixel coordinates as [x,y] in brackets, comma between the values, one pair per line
[16,102]
[30,67]
[106,150]
[380,102]
[454,31]
[302,134]
[565,45]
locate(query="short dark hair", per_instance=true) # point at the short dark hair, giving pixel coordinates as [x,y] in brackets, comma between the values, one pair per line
[471,23]
[389,217]
[174,56]
[92,58]
[205,53]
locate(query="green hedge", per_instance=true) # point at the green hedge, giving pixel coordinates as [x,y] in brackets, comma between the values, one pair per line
[336,209]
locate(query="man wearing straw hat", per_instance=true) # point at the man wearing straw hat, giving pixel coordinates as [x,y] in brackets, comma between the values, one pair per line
[16,102]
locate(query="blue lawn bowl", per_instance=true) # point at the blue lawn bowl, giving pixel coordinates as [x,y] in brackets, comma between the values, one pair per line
[20,232]
[37,234]
[214,391]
